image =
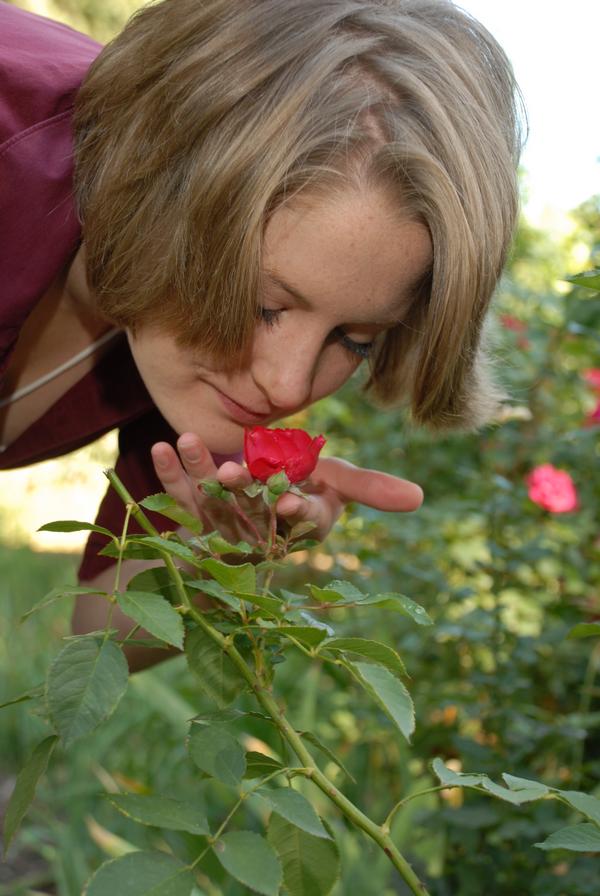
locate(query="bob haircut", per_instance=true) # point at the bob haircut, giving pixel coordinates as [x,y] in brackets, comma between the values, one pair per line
[203,116]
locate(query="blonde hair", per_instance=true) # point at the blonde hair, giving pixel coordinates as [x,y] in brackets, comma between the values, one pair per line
[203,116]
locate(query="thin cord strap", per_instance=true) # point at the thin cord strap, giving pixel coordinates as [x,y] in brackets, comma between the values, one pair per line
[41,381]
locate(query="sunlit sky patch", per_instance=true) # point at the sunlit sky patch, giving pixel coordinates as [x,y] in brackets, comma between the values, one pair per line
[554,49]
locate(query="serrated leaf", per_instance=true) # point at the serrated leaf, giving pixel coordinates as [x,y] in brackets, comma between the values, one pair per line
[213,589]
[158,580]
[314,740]
[302,528]
[31,694]
[308,635]
[240,578]
[218,677]
[259,764]
[589,279]
[85,683]
[74,526]
[577,838]
[295,808]
[272,606]
[336,591]
[24,792]
[524,785]
[455,779]
[168,506]
[399,603]
[153,613]
[373,650]
[133,549]
[141,873]
[311,865]
[161,812]
[57,594]
[390,694]
[516,797]
[218,753]
[219,545]
[249,858]
[165,546]
[583,802]
[585,630]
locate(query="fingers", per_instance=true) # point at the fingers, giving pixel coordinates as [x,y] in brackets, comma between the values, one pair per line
[233,475]
[322,510]
[179,473]
[370,487]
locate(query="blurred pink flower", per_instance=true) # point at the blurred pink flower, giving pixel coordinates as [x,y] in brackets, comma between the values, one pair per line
[509,322]
[593,418]
[592,377]
[552,489]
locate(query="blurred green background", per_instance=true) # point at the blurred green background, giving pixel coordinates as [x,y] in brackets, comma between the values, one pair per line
[498,687]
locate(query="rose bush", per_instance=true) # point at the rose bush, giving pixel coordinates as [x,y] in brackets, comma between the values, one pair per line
[290,451]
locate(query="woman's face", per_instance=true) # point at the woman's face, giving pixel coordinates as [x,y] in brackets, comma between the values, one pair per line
[335,274]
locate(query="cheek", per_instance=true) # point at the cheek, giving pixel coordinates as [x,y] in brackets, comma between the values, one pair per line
[336,368]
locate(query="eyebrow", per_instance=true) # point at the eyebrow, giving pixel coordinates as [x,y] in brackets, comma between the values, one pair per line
[288,287]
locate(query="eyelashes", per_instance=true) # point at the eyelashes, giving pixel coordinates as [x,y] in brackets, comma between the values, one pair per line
[271,316]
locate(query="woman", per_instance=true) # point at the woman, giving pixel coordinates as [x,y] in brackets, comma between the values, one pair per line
[270,194]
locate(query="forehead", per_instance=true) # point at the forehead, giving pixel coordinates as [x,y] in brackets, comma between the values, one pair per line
[354,255]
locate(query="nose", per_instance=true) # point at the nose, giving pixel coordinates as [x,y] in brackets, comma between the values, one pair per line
[285,369]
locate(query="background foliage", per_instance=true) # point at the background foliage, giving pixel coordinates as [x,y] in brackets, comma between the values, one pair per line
[497,685]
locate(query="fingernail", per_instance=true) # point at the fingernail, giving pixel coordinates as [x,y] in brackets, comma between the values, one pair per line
[192,451]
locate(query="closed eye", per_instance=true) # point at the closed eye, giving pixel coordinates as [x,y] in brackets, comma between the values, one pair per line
[271,316]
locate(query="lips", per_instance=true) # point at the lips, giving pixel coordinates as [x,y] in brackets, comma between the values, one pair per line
[240,412]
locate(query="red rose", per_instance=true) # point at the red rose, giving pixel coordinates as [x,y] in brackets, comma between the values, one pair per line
[552,489]
[291,451]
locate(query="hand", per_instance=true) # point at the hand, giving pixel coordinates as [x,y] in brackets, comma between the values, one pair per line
[333,484]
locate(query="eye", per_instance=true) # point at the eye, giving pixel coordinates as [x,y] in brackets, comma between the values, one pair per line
[362,349]
[269,316]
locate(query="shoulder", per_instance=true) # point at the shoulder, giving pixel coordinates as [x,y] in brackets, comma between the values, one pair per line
[42,64]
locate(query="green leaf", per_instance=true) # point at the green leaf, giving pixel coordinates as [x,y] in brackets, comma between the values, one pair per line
[399,603]
[455,779]
[218,677]
[141,873]
[584,803]
[161,812]
[168,506]
[24,791]
[240,578]
[336,591]
[272,606]
[311,865]
[249,858]
[302,528]
[390,694]
[585,630]
[525,787]
[213,589]
[314,740]
[219,545]
[259,764]
[74,526]
[306,634]
[295,808]
[31,694]
[158,580]
[516,797]
[85,683]
[589,279]
[153,613]
[57,594]
[577,838]
[165,546]
[373,650]
[217,752]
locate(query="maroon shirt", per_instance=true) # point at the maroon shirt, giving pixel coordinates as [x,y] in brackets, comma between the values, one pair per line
[42,64]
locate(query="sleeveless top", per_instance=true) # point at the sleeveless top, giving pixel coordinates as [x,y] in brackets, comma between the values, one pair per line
[42,64]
